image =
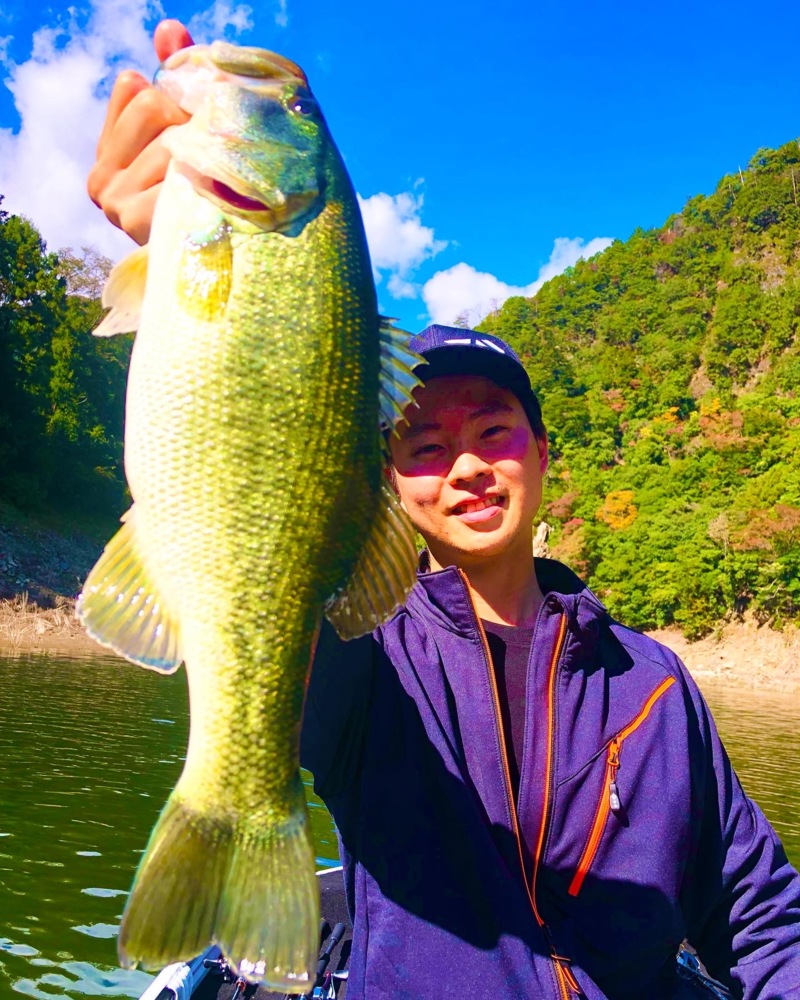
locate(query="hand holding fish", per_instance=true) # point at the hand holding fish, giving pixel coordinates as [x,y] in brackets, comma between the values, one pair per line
[131,158]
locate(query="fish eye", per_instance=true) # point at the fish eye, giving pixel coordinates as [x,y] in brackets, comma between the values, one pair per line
[302,103]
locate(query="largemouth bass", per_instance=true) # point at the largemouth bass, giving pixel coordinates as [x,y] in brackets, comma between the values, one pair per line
[260,376]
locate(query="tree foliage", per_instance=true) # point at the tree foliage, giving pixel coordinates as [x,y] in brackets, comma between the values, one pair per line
[61,390]
[668,367]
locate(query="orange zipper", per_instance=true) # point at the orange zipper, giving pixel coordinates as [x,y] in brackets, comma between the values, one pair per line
[551,698]
[610,798]
[564,977]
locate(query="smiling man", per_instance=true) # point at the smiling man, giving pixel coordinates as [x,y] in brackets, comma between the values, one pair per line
[523,787]
[532,799]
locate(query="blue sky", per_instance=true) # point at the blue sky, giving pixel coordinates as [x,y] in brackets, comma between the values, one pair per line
[491,143]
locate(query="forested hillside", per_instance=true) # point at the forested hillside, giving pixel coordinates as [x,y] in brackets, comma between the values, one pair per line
[669,372]
[668,368]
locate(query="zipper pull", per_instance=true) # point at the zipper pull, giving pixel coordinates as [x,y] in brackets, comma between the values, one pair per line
[613,763]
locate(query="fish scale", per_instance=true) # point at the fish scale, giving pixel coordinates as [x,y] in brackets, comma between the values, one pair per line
[258,377]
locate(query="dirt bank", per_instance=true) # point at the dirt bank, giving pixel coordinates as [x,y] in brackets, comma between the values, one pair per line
[24,627]
[48,561]
[742,654]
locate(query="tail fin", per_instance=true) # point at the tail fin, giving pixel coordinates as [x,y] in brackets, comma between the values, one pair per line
[250,889]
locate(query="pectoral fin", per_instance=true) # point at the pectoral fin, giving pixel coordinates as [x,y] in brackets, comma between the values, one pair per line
[123,294]
[383,576]
[121,608]
[205,271]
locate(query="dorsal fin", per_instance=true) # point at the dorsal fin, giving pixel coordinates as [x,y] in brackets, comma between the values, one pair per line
[397,374]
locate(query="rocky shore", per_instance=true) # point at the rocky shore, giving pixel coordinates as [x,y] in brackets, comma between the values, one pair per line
[743,654]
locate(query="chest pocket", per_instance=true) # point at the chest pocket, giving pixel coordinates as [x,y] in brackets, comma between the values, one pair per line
[609,798]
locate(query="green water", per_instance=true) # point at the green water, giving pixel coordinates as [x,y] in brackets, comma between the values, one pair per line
[89,750]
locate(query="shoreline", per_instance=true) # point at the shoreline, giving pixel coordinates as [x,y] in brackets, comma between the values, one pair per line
[741,654]
[26,628]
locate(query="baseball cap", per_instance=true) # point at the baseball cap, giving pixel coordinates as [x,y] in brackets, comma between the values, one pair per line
[451,350]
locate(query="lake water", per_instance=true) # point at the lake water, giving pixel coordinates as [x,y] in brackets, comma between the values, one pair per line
[89,750]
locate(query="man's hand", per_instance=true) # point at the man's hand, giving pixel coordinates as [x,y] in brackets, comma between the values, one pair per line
[131,159]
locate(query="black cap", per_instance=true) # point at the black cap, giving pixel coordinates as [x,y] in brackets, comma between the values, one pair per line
[451,350]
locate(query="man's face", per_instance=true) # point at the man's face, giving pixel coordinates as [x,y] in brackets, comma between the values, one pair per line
[469,470]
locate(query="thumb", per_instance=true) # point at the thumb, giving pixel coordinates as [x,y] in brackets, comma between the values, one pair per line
[169,36]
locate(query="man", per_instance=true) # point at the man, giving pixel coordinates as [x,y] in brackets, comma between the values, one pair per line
[532,799]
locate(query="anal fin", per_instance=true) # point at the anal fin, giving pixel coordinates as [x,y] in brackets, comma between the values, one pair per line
[121,608]
[384,574]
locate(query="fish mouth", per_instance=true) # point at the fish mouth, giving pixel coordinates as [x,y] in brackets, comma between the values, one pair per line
[241,202]
[472,506]
[269,216]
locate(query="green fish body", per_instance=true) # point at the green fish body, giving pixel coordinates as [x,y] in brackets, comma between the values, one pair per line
[259,377]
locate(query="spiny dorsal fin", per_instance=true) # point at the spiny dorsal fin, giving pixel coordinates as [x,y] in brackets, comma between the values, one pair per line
[397,374]
[123,294]
[384,574]
[121,609]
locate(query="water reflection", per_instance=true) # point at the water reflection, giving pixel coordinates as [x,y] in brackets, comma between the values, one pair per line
[80,790]
[761,732]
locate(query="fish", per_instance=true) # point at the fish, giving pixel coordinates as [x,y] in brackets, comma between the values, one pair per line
[262,386]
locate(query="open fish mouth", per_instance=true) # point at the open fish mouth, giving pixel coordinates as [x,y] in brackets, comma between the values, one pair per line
[233,198]
[268,215]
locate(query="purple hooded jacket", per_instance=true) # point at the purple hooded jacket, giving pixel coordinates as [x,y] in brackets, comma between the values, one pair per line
[631,831]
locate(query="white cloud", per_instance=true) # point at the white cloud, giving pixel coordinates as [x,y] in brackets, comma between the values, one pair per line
[566,253]
[221,20]
[399,288]
[398,242]
[60,94]
[282,17]
[463,292]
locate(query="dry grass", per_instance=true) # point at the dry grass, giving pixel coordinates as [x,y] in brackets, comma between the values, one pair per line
[24,625]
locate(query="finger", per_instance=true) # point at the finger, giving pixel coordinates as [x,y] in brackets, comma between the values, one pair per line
[144,119]
[147,170]
[137,215]
[126,195]
[127,85]
[170,35]
[135,156]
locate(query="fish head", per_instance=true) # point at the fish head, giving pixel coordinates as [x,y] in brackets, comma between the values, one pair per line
[257,145]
